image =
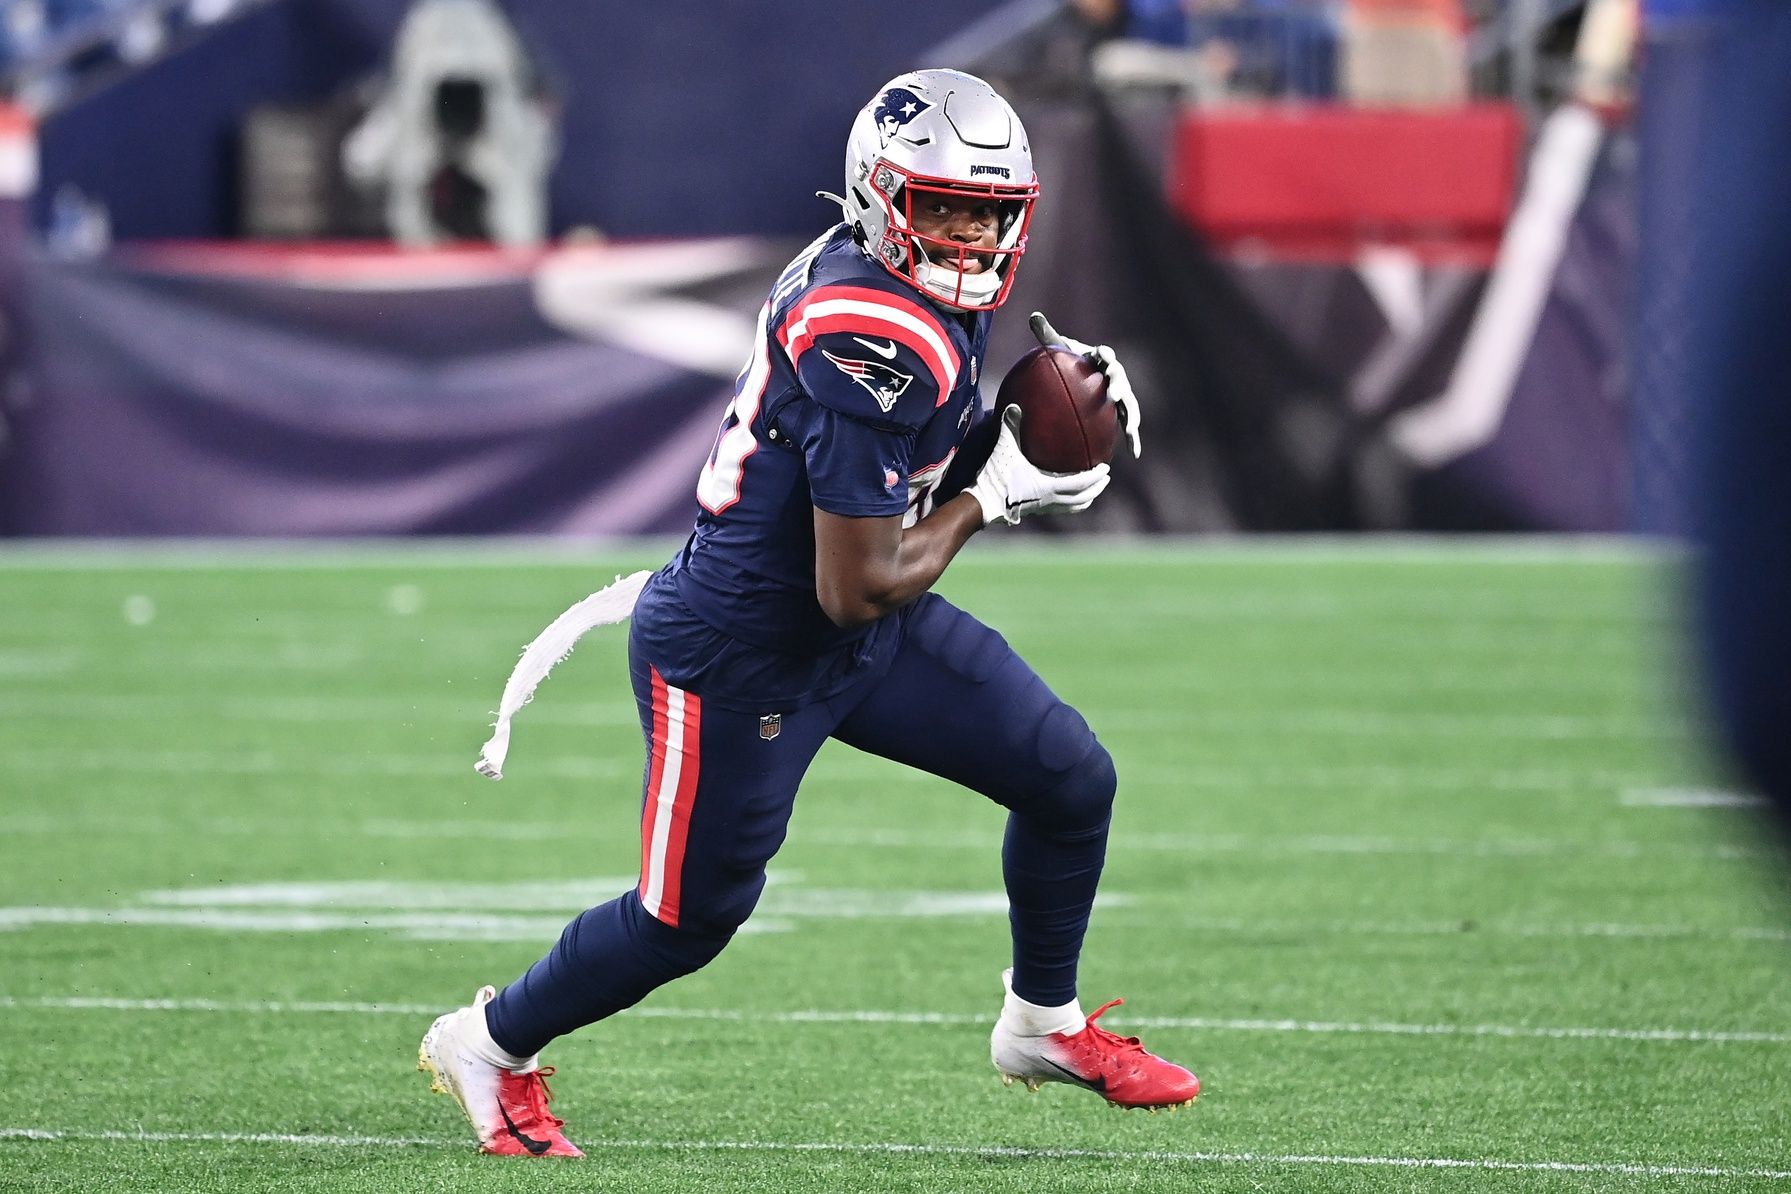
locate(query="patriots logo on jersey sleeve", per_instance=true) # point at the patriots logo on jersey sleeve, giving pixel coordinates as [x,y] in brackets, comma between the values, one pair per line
[880,381]
[897,107]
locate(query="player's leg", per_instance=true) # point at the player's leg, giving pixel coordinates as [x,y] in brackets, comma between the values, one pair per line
[960,703]
[716,801]
[717,798]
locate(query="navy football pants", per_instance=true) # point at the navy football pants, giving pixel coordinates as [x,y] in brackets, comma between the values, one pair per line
[955,700]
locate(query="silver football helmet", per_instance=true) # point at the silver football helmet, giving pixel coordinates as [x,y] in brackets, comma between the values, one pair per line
[930,133]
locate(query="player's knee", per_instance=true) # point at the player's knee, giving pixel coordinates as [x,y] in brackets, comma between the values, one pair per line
[1094,783]
[674,950]
[1081,796]
[714,904]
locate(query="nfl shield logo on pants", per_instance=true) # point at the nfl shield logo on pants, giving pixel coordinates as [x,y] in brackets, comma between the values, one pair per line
[771,725]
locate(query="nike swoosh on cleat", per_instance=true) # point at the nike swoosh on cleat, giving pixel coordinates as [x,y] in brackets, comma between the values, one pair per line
[1098,1085]
[529,1142]
[886,350]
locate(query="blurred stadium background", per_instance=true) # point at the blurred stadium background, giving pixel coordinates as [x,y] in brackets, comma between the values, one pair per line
[1291,238]
[342,342]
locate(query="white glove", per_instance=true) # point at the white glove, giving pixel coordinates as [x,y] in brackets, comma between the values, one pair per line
[1119,389]
[1010,486]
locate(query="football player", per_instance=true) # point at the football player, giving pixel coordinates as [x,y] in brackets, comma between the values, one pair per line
[852,465]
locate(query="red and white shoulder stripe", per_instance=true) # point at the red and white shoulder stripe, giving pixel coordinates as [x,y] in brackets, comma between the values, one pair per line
[867,311]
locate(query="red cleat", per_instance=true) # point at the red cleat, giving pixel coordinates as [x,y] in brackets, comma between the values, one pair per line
[1117,1068]
[529,1128]
[508,1110]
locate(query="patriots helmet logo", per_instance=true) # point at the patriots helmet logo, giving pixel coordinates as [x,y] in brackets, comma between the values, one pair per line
[895,109]
[880,381]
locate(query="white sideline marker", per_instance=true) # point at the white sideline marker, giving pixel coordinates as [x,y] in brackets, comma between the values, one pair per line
[898,1148]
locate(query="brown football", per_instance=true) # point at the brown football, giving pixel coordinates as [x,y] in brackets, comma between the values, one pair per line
[1067,424]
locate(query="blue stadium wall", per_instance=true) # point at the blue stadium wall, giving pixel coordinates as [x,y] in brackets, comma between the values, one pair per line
[682,117]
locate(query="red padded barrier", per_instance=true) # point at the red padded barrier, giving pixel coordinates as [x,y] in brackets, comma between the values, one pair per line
[1321,181]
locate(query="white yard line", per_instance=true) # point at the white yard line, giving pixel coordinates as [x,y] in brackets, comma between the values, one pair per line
[1151,911]
[1322,844]
[369,711]
[1375,639]
[904,1149]
[1265,845]
[1689,798]
[38,662]
[443,765]
[818,1016]
[423,926]
[1116,724]
[1354,723]
[1196,718]
[501,912]
[309,555]
[26,669]
[833,762]
[314,1141]
[1451,616]
[1227,681]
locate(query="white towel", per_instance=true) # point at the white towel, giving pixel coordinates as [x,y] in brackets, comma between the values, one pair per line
[605,607]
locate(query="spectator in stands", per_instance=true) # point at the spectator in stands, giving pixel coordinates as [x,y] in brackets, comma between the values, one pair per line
[1404,52]
[1049,58]
[22,25]
[47,44]
[1228,48]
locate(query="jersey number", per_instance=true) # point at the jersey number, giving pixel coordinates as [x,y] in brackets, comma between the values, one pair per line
[718,487]
[921,485]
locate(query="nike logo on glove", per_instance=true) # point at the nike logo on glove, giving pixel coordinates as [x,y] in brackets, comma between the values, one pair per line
[886,350]
[529,1142]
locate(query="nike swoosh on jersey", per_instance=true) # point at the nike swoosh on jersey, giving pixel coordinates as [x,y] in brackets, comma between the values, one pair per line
[529,1142]
[886,350]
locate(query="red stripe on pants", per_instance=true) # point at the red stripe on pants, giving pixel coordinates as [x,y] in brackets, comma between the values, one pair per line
[674,766]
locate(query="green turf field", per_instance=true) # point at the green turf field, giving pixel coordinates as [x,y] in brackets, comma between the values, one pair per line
[1404,867]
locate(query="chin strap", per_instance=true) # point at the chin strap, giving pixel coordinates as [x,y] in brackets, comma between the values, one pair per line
[839,199]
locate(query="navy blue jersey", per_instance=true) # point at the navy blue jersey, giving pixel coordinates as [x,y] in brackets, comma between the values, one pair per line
[858,396]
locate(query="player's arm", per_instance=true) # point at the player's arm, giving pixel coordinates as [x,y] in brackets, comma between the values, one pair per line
[979,443]
[868,567]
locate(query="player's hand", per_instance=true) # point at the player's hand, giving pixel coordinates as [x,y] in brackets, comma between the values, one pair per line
[1119,388]
[1010,487]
